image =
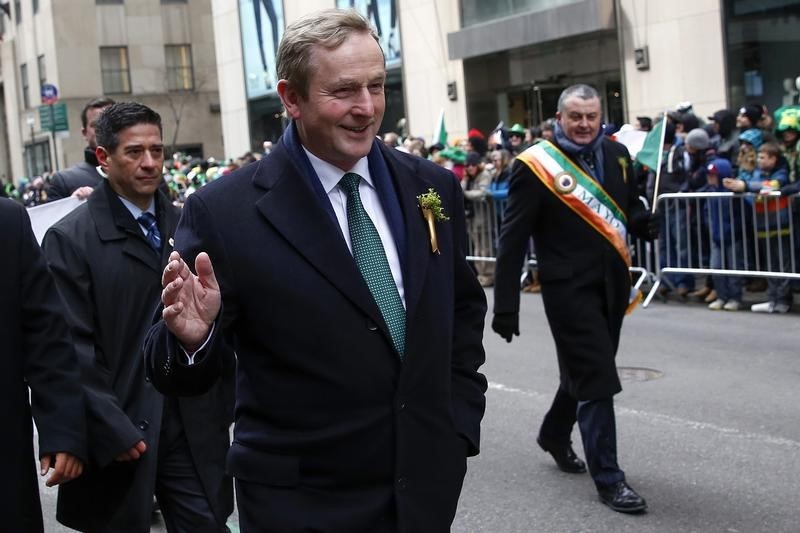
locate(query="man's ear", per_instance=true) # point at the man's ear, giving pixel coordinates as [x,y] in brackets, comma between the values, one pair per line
[558,115]
[102,157]
[290,98]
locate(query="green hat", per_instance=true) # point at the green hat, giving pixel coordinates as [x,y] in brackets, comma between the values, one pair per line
[517,129]
[456,155]
[787,118]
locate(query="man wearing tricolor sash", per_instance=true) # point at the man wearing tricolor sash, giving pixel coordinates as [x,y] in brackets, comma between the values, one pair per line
[576,197]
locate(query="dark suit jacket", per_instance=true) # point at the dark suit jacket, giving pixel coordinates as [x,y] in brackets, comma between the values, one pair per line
[110,279]
[37,353]
[65,182]
[333,432]
[585,283]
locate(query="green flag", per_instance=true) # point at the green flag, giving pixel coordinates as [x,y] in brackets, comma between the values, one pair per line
[653,143]
[440,132]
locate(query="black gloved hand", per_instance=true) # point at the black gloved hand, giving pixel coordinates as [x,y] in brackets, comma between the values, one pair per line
[506,325]
[653,225]
[646,225]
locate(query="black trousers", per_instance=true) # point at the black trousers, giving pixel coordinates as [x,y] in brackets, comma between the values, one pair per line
[598,429]
[183,501]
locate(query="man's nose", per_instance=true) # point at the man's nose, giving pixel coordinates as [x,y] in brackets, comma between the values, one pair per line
[363,102]
[149,160]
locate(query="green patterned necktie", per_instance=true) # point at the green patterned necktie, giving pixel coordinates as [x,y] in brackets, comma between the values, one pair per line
[371,260]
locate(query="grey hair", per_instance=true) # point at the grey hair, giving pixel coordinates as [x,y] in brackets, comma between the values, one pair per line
[327,28]
[505,156]
[581,90]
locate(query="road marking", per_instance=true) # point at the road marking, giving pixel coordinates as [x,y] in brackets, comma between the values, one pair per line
[667,419]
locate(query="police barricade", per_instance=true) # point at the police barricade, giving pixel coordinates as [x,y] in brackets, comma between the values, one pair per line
[484,216]
[725,234]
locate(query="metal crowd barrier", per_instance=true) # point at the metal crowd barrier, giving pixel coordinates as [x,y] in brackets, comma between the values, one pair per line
[483,227]
[759,237]
[755,236]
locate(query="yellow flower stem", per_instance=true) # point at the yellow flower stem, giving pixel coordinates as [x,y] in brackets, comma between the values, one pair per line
[430,219]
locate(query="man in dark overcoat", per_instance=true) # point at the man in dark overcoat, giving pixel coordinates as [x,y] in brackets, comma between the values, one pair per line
[37,354]
[79,179]
[576,196]
[107,256]
[358,401]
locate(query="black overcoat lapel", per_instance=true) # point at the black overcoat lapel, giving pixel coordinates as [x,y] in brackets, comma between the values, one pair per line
[114,222]
[293,209]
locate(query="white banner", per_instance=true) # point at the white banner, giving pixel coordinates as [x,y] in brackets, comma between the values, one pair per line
[45,215]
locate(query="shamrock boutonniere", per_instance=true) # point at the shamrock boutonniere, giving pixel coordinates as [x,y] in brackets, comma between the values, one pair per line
[431,205]
[623,165]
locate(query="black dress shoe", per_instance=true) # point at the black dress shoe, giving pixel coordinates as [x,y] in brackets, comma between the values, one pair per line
[621,497]
[564,457]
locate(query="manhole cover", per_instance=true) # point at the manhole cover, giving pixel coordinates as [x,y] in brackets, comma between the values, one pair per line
[632,373]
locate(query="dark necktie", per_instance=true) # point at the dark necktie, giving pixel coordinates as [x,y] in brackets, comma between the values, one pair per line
[148,221]
[371,260]
[589,159]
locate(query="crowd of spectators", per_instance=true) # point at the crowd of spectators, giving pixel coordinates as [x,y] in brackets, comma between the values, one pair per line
[749,150]
[746,151]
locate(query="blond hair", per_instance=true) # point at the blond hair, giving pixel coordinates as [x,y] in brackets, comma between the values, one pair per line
[327,28]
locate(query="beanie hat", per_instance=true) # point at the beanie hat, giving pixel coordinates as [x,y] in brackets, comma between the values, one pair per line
[698,139]
[752,136]
[721,167]
[475,132]
[473,158]
[752,112]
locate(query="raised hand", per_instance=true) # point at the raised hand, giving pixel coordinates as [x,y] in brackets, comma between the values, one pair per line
[191,301]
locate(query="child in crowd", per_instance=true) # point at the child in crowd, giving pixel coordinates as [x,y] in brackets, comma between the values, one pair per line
[724,221]
[772,223]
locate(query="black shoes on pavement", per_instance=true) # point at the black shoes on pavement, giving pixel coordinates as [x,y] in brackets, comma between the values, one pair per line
[619,496]
[564,457]
[622,498]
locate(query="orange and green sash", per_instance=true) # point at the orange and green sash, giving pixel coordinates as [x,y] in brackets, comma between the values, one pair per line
[581,193]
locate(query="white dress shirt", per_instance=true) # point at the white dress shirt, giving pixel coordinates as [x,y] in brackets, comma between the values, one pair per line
[136,212]
[329,176]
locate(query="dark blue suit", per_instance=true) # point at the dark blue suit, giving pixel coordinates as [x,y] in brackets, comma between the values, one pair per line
[333,432]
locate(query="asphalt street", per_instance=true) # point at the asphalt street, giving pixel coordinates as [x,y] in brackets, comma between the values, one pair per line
[707,427]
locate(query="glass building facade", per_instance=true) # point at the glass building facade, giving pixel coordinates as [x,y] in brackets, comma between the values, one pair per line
[762,46]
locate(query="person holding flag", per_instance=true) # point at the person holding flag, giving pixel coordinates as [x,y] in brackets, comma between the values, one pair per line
[576,196]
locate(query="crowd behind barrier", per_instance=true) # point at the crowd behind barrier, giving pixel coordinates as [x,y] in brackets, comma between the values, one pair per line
[735,235]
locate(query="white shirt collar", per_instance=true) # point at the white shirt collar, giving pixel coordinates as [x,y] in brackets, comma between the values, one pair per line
[329,175]
[135,211]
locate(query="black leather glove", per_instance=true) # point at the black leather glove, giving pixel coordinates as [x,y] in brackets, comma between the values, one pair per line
[506,325]
[653,225]
[647,225]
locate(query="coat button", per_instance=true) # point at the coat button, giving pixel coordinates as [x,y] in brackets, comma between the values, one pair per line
[144,424]
[372,326]
[401,406]
[401,483]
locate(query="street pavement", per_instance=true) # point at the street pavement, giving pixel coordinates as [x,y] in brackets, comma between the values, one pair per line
[707,428]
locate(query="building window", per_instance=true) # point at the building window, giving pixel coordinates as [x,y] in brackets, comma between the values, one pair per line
[173,1]
[114,69]
[18,11]
[42,70]
[180,74]
[108,2]
[23,76]
[35,6]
